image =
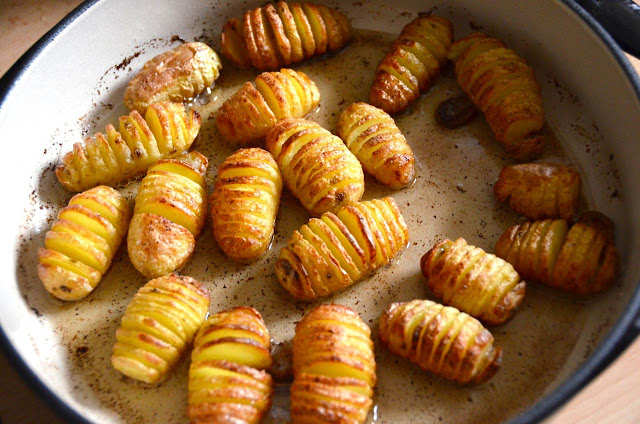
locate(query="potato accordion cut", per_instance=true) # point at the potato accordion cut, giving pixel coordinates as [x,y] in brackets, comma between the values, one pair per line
[82,241]
[334,367]
[581,260]
[372,135]
[504,87]
[165,131]
[283,33]
[245,203]
[472,280]
[440,339]
[251,112]
[170,211]
[336,250]
[177,75]
[157,326]
[226,384]
[316,166]
[539,190]
[412,64]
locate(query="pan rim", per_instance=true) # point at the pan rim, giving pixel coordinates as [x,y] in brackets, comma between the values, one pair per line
[612,345]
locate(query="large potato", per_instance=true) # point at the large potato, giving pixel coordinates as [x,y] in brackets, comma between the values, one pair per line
[82,241]
[166,131]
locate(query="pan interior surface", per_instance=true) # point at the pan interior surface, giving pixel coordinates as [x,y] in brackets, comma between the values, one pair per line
[69,92]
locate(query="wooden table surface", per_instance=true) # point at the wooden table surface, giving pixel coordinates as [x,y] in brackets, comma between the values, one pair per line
[612,398]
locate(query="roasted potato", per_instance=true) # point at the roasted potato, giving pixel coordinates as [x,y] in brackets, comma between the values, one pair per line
[440,339]
[251,112]
[281,34]
[225,381]
[334,367]
[582,260]
[244,204]
[476,282]
[166,131]
[539,190]
[412,64]
[174,76]
[157,326]
[82,241]
[316,166]
[170,211]
[336,250]
[372,135]
[503,86]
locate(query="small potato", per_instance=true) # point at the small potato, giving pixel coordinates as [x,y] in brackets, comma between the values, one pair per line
[372,135]
[582,260]
[316,166]
[169,215]
[174,76]
[476,282]
[82,242]
[157,326]
[166,131]
[334,367]
[539,190]
[440,339]
[244,204]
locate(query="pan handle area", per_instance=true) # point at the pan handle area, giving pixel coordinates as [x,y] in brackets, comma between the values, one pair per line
[621,19]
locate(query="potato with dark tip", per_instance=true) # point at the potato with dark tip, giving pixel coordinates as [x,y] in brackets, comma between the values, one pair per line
[440,339]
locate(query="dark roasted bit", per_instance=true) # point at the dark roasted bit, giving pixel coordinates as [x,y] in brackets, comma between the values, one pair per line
[455,112]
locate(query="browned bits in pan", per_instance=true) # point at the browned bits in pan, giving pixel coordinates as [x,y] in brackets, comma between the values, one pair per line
[476,282]
[281,34]
[581,260]
[539,190]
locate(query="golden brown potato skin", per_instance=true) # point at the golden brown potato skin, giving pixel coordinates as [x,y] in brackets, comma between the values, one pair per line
[503,86]
[412,64]
[244,204]
[226,384]
[582,260]
[476,282]
[82,242]
[316,166]
[251,112]
[157,326]
[334,367]
[539,190]
[170,211]
[173,76]
[281,34]
[372,135]
[440,339]
[336,250]
[166,131]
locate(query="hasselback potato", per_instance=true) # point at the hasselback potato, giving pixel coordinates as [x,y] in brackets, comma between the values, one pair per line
[244,203]
[226,384]
[165,131]
[316,166]
[412,64]
[82,241]
[539,190]
[581,260]
[157,326]
[334,367]
[372,135]
[174,76]
[251,112]
[503,86]
[170,211]
[280,34]
[440,339]
[336,250]
[476,282]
